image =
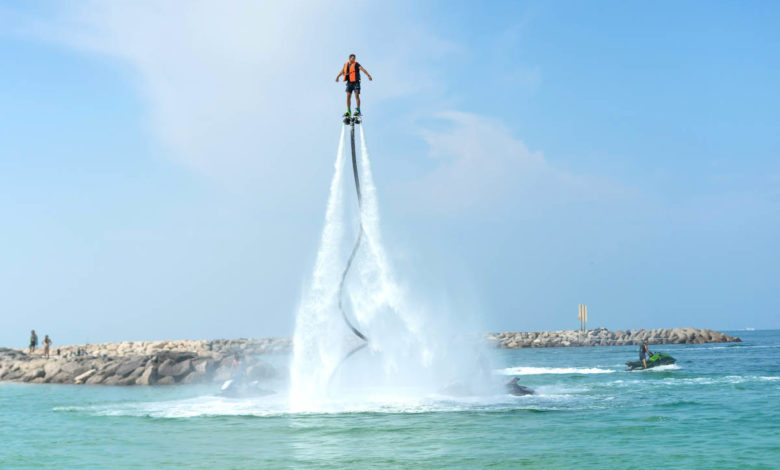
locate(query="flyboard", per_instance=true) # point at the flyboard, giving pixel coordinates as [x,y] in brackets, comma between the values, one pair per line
[351,121]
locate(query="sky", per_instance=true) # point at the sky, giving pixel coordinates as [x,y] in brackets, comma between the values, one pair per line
[164,166]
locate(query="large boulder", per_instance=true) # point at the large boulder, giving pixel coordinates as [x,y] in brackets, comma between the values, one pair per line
[130,365]
[174,369]
[61,377]
[13,373]
[75,368]
[112,380]
[175,356]
[108,369]
[203,365]
[96,378]
[81,378]
[52,368]
[148,376]
[194,377]
[131,378]
[167,380]
[33,373]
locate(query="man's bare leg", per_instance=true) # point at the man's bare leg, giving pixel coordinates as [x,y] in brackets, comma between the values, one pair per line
[357,99]
[349,100]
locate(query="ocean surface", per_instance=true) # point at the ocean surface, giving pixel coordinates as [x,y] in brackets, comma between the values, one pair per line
[718,407]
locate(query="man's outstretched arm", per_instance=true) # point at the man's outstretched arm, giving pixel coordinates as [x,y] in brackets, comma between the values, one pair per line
[339,75]
[366,72]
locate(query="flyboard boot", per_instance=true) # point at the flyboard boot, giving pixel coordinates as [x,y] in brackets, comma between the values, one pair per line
[351,118]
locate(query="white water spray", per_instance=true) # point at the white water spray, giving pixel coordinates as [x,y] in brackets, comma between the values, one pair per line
[317,340]
[406,355]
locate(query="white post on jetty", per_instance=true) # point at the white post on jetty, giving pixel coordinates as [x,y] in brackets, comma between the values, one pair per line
[583,317]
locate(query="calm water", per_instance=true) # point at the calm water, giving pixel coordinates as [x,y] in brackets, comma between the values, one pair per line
[719,407]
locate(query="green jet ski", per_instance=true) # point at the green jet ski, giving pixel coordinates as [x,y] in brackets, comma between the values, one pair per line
[657,359]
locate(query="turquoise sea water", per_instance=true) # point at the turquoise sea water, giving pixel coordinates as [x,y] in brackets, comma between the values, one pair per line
[718,407]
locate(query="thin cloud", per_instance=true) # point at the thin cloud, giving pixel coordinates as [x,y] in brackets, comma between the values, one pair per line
[231,90]
[479,163]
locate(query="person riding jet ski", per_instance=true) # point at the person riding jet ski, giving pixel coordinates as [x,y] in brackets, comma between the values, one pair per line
[642,351]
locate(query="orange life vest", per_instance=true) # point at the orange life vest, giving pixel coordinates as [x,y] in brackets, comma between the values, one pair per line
[352,71]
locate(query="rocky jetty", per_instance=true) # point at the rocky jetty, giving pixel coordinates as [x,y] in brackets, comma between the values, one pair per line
[605,337]
[189,362]
[143,362]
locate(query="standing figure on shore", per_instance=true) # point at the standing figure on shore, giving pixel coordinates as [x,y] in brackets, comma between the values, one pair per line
[46,345]
[351,73]
[642,351]
[33,341]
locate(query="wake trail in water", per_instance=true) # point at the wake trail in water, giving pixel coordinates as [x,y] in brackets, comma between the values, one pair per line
[554,370]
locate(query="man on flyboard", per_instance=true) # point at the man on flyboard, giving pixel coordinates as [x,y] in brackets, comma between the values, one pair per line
[351,72]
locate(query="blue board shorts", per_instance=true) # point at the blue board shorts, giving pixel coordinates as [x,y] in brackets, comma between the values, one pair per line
[353,86]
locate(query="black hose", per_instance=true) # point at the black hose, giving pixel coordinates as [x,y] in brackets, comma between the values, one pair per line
[352,258]
[354,168]
[357,241]
[344,359]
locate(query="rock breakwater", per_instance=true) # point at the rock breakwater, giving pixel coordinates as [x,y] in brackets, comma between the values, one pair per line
[190,362]
[144,362]
[605,337]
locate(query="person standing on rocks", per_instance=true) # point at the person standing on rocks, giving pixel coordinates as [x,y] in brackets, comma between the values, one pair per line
[33,341]
[642,351]
[46,346]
